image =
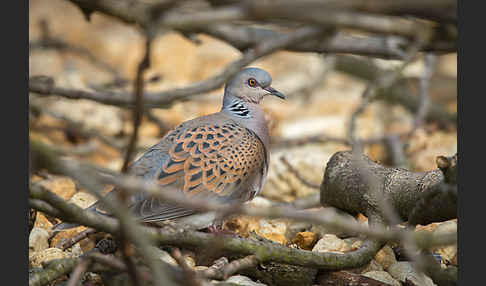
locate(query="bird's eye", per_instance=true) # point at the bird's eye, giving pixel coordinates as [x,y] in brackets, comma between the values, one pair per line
[252,82]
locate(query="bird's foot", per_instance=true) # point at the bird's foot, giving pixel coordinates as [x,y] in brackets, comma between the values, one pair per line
[218,229]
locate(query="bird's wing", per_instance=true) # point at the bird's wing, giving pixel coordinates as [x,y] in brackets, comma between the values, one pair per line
[204,161]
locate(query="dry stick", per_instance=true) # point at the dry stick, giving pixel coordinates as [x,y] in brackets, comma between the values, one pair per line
[136,185]
[131,230]
[264,251]
[44,87]
[214,271]
[307,202]
[138,108]
[53,270]
[381,46]
[44,207]
[190,276]
[67,243]
[108,260]
[331,218]
[322,139]
[439,10]
[238,264]
[143,14]
[298,175]
[222,269]
[103,223]
[338,18]
[394,141]
[137,118]
[58,267]
[384,208]
[424,82]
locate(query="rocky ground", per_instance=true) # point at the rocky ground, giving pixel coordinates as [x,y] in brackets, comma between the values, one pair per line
[320,101]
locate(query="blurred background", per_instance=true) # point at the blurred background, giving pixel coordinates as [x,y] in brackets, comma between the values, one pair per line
[104,53]
[322,89]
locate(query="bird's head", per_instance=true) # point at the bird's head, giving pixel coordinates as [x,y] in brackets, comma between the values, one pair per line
[251,85]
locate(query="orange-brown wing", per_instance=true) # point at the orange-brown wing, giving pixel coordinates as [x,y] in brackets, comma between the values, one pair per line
[212,159]
[224,162]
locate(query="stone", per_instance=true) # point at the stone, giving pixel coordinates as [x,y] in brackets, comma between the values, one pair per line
[447,252]
[382,276]
[282,184]
[189,259]
[428,227]
[66,234]
[45,255]
[62,186]
[362,219]
[273,229]
[305,240]
[385,256]
[93,115]
[41,221]
[352,243]
[260,202]
[83,199]
[329,243]
[294,227]
[201,268]
[446,227]
[370,266]
[322,230]
[403,270]
[243,281]
[241,224]
[454,260]
[76,250]
[38,240]
[164,256]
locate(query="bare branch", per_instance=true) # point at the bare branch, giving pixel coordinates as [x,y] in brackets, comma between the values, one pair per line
[45,87]
[67,243]
[138,108]
[78,272]
[296,173]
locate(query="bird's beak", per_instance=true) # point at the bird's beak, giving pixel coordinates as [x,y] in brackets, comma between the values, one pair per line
[275,92]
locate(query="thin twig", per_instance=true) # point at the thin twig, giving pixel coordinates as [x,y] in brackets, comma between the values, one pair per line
[384,209]
[190,276]
[67,243]
[78,271]
[264,251]
[137,119]
[160,99]
[109,260]
[214,271]
[138,108]
[298,175]
[238,264]
[424,97]
[380,83]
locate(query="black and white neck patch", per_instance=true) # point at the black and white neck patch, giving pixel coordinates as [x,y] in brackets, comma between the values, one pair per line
[238,108]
